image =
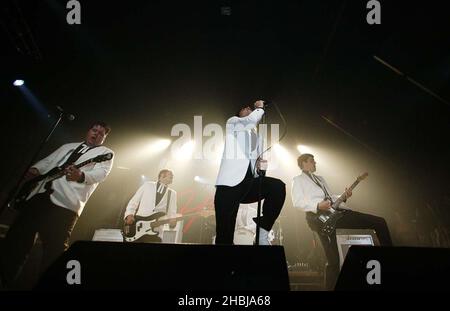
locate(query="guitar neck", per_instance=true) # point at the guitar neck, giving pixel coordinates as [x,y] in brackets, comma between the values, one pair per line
[355,183]
[166,221]
[341,197]
[61,170]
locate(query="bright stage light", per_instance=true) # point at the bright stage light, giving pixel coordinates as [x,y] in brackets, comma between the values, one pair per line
[281,152]
[18,82]
[160,144]
[282,157]
[154,147]
[203,181]
[185,151]
[304,149]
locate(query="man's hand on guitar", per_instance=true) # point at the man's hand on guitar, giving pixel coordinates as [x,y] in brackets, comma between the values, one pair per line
[32,173]
[172,224]
[262,165]
[324,205]
[348,193]
[129,220]
[73,173]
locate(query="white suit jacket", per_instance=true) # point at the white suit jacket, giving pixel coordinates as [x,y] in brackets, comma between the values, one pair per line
[143,204]
[143,201]
[242,146]
[70,194]
[306,194]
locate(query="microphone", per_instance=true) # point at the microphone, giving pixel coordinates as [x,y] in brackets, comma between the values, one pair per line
[68,116]
[267,103]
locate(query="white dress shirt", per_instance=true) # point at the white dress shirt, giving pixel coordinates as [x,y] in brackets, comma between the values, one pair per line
[306,194]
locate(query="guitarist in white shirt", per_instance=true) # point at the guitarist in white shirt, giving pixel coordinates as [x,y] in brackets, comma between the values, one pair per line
[311,194]
[53,208]
[153,197]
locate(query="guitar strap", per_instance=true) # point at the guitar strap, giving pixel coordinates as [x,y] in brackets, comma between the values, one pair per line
[318,183]
[168,200]
[74,156]
[77,153]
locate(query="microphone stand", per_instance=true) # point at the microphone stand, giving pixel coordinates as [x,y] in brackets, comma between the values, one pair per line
[10,202]
[261,174]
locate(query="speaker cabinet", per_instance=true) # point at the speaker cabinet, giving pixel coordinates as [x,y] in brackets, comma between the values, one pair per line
[395,269]
[111,265]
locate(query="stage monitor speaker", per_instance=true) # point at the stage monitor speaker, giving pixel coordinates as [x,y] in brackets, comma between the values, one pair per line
[111,265]
[395,269]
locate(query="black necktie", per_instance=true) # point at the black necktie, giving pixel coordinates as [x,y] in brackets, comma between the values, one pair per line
[317,182]
[160,190]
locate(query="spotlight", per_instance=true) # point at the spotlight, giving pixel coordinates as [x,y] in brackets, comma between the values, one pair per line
[18,82]
[161,144]
[185,151]
[282,153]
[202,181]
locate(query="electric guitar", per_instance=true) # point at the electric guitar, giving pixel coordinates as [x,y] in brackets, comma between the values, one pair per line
[35,185]
[147,225]
[326,220]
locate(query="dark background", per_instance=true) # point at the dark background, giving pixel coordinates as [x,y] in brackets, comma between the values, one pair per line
[144,66]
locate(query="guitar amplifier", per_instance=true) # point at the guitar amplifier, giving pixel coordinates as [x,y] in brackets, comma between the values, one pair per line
[108,235]
[348,237]
[174,235]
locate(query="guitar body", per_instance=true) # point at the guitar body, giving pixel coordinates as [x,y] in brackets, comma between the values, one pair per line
[33,186]
[142,226]
[325,222]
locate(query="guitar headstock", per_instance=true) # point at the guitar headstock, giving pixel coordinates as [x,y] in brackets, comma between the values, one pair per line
[103,157]
[363,176]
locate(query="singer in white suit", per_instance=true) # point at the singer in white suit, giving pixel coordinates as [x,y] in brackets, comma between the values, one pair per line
[237,181]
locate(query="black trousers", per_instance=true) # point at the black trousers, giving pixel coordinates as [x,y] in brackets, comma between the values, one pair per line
[227,200]
[350,220]
[38,215]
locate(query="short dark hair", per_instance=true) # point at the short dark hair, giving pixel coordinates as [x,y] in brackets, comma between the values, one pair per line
[102,124]
[303,158]
[163,171]
[242,107]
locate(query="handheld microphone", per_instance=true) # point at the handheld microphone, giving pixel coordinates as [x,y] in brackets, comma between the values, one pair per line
[267,103]
[68,116]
